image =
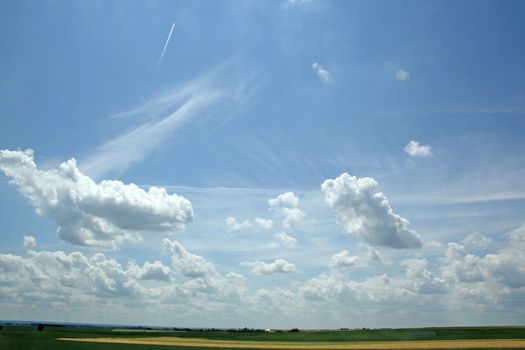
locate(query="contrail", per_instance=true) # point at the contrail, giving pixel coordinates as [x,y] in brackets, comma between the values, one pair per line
[165,45]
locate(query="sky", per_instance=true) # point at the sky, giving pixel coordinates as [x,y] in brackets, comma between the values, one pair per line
[268,164]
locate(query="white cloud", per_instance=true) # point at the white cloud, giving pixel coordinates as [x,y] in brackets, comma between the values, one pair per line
[344,259]
[291,216]
[287,204]
[233,225]
[373,254]
[29,242]
[150,271]
[414,149]
[45,275]
[477,240]
[54,278]
[322,72]
[266,224]
[90,214]
[287,199]
[278,266]
[425,282]
[285,239]
[500,270]
[166,115]
[337,288]
[366,212]
[402,75]
[190,265]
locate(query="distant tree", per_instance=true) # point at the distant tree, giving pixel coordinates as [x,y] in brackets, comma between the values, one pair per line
[1,327]
[295,330]
[40,327]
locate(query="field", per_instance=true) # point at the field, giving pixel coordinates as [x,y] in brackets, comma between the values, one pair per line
[70,337]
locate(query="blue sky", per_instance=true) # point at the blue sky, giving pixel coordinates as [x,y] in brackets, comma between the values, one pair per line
[317,163]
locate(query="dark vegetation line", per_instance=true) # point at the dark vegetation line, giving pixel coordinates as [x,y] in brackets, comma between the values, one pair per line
[27,336]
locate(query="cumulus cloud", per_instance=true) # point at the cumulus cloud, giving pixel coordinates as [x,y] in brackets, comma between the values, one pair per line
[477,240]
[367,213]
[500,269]
[55,275]
[322,72]
[233,225]
[344,259]
[425,282]
[29,242]
[265,224]
[338,287]
[190,265]
[287,199]
[278,266]
[150,271]
[56,278]
[373,254]
[103,214]
[285,239]
[414,149]
[402,75]
[288,205]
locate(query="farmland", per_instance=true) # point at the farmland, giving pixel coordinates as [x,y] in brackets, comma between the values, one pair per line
[70,337]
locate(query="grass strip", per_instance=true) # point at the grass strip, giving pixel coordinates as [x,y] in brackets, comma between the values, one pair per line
[389,345]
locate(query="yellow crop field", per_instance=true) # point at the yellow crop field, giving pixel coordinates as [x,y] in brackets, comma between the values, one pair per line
[209,343]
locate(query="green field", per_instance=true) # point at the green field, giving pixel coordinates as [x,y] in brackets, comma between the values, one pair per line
[26,337]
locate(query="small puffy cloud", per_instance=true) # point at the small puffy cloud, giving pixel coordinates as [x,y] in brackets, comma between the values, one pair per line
[278,266]
[425,282]
[190,265]
[373,254]
[322,72]
[93,214]
[344,259]
[265,224]
[288,199]
[477,240]
[285,239]
[29,242]
[507,267]
[517,237]
[233,225]
[291,216]
[414,149]
[367,213]
[402,75]
[149,271]
[287,204]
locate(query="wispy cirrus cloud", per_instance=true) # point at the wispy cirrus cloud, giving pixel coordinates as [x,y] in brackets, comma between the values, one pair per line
[208,96]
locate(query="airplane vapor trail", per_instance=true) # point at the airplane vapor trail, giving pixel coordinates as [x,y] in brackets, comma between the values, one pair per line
[166,45]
